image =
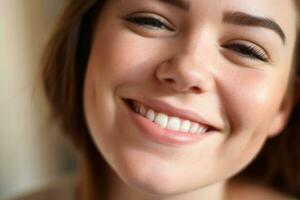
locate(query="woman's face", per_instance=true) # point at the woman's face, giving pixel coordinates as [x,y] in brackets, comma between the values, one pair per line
[214,73]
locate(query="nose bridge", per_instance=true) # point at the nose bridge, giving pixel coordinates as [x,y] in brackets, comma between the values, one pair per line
[196,41]
[187,69]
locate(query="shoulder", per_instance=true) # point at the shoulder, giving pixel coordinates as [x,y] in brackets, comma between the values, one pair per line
[61,188]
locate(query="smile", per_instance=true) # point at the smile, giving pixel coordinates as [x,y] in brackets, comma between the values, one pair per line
[163,123]
[173,123]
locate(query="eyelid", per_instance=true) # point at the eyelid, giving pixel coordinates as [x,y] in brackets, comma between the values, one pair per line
[251,45]
[154,15]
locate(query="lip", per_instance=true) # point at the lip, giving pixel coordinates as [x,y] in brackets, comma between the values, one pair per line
[163,136]
[170,110]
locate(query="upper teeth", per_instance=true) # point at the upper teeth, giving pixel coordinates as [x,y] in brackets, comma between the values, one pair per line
[167,122]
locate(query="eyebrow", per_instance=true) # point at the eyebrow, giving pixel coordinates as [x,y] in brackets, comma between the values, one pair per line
[237,18]
[181,4]
[244,19]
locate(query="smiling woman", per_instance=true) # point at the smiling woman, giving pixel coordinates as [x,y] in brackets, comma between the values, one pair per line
[170,99]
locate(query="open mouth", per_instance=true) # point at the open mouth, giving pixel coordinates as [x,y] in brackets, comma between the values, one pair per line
[168,121]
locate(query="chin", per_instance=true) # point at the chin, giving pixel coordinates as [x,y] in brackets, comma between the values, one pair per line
[154,185]
[155,176]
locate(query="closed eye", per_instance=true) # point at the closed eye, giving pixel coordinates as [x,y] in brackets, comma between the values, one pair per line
[248,51]
[150,21]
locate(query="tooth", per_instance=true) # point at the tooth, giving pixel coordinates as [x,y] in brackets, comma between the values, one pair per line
[150,115]
[201,129]
[161,119]
[185,126]
[173,124]
[143,110]
[194,127]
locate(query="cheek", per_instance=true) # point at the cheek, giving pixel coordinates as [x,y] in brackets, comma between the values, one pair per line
[251,98]
[118,58]
[93,102]
[127,57]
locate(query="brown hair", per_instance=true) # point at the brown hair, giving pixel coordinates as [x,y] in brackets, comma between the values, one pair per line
[64,64]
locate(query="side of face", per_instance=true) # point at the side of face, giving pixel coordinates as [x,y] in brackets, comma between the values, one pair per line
[232,75]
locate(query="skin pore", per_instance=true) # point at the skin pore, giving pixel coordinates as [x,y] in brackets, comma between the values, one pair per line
[202,57]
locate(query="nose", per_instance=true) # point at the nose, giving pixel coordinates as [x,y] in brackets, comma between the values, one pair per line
[183,74]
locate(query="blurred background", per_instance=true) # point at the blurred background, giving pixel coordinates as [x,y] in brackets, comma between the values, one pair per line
[32,150]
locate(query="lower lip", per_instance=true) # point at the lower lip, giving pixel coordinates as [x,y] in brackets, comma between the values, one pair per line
[163,136]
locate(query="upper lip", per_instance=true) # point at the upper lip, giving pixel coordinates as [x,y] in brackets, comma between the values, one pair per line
[170,110]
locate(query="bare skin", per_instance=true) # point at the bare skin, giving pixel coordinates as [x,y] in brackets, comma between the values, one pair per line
[199,60]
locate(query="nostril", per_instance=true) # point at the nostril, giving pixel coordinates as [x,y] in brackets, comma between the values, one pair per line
[196,89]
[169,80]
[172,82]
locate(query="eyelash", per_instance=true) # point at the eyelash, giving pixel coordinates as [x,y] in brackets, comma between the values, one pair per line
[247,51]
[149,22]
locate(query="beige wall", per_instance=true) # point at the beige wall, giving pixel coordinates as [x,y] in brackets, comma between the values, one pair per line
[27,156]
